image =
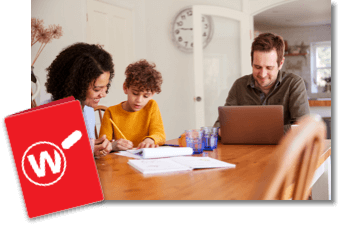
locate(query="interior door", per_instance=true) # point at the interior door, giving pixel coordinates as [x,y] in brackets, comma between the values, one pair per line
[112,27]
[221,62]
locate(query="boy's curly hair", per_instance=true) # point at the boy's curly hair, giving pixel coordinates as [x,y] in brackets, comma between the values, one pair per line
[76,68]
[142,76]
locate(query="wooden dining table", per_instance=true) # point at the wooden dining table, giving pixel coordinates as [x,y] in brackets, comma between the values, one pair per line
[120,181]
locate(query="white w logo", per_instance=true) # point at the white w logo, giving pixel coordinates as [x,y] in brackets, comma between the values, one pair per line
[44,156]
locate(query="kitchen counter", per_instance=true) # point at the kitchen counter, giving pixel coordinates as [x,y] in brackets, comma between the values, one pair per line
[319,102]
[321,107]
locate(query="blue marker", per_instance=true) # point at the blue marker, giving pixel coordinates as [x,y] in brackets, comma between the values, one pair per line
[170,145]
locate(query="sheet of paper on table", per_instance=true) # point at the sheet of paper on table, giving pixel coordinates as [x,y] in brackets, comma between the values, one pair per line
[152,166]
[130,153]
[148,153]
[202,162]
[182,163]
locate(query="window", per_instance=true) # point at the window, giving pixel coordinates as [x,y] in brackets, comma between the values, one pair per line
[321,69]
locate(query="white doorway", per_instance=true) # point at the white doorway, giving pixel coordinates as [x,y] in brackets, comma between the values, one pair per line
[226,58]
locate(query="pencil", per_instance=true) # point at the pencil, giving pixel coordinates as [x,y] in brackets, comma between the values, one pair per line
[116,127]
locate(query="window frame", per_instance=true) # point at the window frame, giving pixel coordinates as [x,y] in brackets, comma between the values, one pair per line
[314,68]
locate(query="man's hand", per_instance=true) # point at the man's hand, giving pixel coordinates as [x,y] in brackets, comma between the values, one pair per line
[147,143]
[121,145]
[102,146]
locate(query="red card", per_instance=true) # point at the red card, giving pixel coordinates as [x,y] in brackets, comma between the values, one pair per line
[53,157]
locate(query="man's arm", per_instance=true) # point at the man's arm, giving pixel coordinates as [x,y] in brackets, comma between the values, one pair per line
[298,102]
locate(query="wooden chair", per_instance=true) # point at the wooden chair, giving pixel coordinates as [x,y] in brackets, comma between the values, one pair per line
[292,166]
[101,110]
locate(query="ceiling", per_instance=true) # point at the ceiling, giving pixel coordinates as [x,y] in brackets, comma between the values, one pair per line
[295,14]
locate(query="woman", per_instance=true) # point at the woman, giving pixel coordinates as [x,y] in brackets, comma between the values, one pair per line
[85,72]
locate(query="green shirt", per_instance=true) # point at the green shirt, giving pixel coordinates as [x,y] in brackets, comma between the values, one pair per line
[289,91]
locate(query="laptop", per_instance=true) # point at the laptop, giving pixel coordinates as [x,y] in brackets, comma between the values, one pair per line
[262,124]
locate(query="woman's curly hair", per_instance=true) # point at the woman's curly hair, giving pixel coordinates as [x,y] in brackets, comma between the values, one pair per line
[75,68]
[142,76]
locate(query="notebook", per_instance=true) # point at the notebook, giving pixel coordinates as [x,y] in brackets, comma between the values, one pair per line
[174,164]
[53,157]
[251,124]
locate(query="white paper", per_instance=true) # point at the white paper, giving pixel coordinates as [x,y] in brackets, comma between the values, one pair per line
[152,166]
[202,162]
[160,152]
[165,152]
[182,163]
[130,153]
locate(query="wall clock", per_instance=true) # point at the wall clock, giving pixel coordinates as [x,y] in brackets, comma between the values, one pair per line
[182,30]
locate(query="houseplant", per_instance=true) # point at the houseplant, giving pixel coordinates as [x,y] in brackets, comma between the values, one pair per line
[42,35]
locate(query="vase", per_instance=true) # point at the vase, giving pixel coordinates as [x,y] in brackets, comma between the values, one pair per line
[35,80]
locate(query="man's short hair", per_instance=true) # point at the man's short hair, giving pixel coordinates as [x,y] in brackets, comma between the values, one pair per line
[266,42]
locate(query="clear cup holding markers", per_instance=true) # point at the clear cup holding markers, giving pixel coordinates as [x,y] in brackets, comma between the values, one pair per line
[194,140]
[210,138]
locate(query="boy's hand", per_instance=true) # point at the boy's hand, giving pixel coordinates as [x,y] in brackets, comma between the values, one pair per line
[102,146]
[147,143]
[122,144]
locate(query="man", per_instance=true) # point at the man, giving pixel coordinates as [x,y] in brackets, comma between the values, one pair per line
[267,85]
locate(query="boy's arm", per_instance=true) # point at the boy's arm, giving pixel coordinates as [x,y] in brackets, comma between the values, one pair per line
[106,126]
[156,129]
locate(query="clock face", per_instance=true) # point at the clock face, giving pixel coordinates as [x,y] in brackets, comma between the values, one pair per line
[182,30]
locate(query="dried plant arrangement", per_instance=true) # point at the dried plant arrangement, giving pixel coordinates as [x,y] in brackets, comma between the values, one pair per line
[43,35]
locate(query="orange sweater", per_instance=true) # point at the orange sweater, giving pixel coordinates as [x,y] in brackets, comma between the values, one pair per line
[136,126]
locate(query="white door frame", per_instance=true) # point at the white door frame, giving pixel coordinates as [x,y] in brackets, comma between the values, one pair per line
[245,46]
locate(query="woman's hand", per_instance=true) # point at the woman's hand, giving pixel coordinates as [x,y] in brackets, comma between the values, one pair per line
[102,146]
[147,143]
[122,145]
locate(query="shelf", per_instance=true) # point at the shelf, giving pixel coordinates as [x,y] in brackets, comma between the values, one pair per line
[302,54]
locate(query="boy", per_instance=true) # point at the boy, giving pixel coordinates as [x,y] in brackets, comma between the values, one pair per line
[138,118]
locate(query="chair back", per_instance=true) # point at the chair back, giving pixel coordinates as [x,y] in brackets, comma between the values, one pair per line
[292,166]
[101,110]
